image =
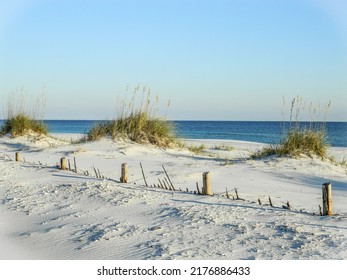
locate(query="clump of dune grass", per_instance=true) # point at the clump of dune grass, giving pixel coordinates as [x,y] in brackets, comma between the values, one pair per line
[223,148]
[302,138]
[196,149]
[266,152]
[21,119]
[96,132]
[306,141]
[137,121]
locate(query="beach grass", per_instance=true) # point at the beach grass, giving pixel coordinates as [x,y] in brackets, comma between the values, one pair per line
[266,151]
[22,124]
[306,141]
[302,138]
[196,149]
[297,142]
[137,122]
[223,148]
[22,119]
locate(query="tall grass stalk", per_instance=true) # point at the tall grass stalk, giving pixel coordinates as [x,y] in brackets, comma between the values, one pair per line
[308,138]
[22,118]
[136,120]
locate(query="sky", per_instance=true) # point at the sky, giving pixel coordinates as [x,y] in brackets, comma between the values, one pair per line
[213,60]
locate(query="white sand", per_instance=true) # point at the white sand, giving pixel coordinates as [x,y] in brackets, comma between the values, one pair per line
[51,214]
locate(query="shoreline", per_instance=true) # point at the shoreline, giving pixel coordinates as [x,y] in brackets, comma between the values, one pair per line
[256,131]
[339,153]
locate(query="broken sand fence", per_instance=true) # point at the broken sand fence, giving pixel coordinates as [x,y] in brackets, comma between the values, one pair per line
[165,183]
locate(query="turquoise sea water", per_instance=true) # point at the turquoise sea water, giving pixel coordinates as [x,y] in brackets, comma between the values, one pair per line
[254,131]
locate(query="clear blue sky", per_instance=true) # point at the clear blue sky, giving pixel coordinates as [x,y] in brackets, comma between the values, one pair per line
[216,59]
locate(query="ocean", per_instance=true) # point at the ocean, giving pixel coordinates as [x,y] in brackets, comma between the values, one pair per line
[254,131]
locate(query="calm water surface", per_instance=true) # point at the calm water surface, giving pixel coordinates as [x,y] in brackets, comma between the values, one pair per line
[263,132]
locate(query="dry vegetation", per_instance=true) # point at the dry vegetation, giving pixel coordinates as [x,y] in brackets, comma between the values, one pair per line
[137,121]
[307,138]
[21,119]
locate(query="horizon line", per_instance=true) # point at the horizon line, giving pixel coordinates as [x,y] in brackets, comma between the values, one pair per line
[203,120]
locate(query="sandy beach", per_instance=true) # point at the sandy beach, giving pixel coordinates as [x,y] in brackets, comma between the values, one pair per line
[47,213]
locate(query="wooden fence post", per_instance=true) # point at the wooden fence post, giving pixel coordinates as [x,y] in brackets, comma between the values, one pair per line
[143,175]
[327,199]
[206,189]
[17,156]
[124,175]
[172,186]
[161,185]
[75,165]
[63,164]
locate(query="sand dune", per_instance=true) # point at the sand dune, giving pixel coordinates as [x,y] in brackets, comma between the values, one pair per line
[47,213]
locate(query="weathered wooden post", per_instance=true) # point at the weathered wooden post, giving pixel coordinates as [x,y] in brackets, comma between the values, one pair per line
[74,161]
[327,199]
[143,175]
[165,185]
[17,156]
[124,173]
[206,189]
[197,187]
[226,192]
[63,164]
[161,184]
[172,186]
